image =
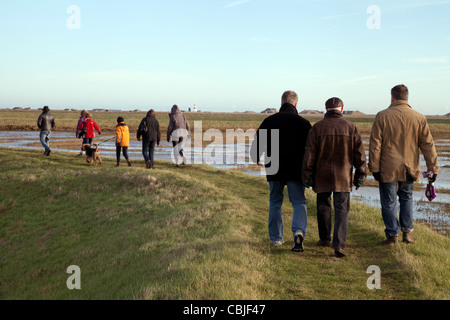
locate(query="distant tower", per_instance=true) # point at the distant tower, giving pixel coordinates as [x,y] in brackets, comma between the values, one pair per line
[195,108]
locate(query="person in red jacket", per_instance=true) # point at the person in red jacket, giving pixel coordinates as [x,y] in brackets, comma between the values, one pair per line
[90,125]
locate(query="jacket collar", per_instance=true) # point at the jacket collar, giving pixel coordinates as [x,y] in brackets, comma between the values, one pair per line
[288,108]
[333,114]
[399,103]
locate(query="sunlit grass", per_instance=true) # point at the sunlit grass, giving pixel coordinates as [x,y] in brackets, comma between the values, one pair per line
[194,232]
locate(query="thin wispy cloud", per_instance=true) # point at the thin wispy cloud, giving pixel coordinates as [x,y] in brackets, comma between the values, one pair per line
[426,4]
[427,60]
[236,3]
[258,39]
[356,80]
[328,30]
[344,15]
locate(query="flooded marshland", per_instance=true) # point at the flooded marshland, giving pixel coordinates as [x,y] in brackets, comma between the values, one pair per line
[235,156]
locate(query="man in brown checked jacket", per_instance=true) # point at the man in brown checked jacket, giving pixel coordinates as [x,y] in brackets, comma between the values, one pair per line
[333,148]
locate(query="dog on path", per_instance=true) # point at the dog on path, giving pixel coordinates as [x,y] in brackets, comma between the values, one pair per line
[92,154]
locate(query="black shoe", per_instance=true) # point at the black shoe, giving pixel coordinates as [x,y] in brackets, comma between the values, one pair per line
[298,244]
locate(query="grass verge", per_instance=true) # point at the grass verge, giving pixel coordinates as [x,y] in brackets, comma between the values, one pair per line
[186,233]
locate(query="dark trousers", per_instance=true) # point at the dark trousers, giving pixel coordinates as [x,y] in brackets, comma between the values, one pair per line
[180,140]
[341,202]
[148,149]
[125,153]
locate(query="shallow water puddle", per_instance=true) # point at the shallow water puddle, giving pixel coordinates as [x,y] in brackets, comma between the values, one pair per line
[436,213]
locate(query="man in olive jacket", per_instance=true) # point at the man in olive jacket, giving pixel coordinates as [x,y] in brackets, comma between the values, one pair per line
[333,148]
[282,138]
[398,134]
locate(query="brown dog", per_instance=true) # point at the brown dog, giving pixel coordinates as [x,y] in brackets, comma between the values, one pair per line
[92,154]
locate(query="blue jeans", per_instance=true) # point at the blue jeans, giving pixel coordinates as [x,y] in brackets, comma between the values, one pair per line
[45,139]
[388,199]
[148,148]
[297,197]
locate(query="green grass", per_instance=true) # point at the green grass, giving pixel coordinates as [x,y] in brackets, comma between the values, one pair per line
[186,233]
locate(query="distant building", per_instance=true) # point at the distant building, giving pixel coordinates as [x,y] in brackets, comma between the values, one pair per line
[310,112]
[270,110]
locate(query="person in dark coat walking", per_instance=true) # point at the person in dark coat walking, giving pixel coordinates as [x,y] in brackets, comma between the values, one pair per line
[46,123]
[333,148]
[78,132]
[151,136]
[281,138]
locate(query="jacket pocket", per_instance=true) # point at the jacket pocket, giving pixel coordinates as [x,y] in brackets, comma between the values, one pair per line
[414,173]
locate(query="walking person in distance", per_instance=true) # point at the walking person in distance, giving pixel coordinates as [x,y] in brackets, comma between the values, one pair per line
[122,140]
[46,123]
[90,126]
[151,136]
[178,129]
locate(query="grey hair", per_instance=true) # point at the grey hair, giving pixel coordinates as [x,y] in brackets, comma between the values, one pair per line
[289,97]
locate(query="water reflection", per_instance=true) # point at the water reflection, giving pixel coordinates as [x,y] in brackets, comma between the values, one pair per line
[436,213]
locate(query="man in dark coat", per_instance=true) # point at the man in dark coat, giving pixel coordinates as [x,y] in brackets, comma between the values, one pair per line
[334,147]
[282,139]
[45,123]
[151,136]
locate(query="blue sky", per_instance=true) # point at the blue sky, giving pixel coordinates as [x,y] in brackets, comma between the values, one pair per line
[223,55]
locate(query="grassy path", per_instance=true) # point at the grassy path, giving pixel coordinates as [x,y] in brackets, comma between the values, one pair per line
[185,233]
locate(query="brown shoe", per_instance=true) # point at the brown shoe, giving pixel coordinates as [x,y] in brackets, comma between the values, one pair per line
[129,163]
[408,238]
[389,241]
[340,253]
